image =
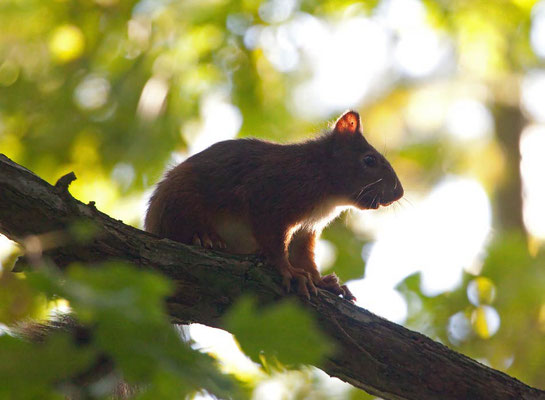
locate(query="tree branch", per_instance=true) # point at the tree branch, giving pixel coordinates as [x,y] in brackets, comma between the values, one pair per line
[373,354]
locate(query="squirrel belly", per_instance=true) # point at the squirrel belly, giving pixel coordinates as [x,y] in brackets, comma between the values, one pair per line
[236,233]
[251,196]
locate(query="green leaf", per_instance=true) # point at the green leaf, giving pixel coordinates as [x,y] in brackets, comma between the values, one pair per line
[284,331]
[126,309]
[349,263]
[32,370]
[17,299]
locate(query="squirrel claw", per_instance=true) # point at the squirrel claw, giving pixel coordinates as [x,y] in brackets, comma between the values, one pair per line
[348,294]
[305,286]
[208,241]
[286,281]
[196,240]
[330,280]
[302,288]
[331,283]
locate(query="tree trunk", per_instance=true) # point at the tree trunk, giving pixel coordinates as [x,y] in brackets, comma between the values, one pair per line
[509,124]
[373,354]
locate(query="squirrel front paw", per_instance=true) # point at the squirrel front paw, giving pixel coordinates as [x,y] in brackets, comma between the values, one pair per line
[332,284]
[305,285]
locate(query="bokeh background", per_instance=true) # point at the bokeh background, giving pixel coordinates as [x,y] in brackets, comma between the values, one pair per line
[452,92]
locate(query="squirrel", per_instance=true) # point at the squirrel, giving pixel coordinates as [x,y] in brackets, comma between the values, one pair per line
[248,196]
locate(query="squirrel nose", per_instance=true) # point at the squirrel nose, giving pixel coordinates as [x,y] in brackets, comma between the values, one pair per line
[398,190]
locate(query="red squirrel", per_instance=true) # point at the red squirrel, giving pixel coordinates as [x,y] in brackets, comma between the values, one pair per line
[252,196]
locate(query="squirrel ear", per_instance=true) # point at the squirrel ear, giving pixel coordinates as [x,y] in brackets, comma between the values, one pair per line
[348,123]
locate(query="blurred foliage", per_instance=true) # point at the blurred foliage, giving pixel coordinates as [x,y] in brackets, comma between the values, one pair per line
[18,301]
[512,281]
[117,90]
[348,264]
[33,370]
[274,335]
[126,311]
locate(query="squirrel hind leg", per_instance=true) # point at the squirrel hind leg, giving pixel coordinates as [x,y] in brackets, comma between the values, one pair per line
[188,222]
[208,240]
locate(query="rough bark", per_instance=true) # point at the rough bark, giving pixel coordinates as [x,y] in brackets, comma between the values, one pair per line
[373,354]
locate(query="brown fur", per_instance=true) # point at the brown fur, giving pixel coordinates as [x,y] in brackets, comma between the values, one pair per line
[249,196]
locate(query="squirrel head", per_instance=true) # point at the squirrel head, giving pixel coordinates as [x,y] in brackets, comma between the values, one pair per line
[363,174]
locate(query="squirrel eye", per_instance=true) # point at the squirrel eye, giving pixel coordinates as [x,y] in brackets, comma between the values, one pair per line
[370,161]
